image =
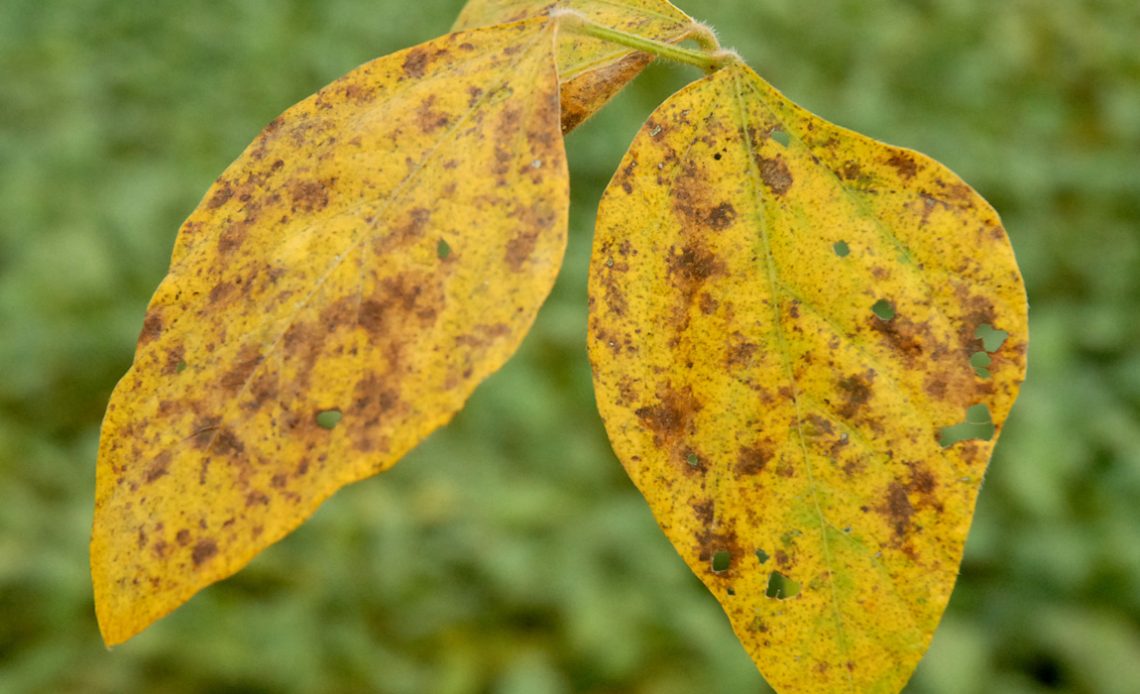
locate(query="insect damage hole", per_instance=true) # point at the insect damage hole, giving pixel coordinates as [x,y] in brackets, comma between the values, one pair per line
[442,249]
[780,587]
[841,249]
[762,556]
[992,338]
[883,310]
[981,362]
[780,135]
[328,419]
[978,425]
[721,561]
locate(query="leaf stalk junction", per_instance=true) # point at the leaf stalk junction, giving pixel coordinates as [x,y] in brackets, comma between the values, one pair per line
[709,57]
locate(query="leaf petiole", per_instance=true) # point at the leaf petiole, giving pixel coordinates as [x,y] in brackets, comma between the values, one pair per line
[711,57]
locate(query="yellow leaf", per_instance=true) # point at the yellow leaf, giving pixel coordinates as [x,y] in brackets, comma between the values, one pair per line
[379,250]
[783,317]
[592,70]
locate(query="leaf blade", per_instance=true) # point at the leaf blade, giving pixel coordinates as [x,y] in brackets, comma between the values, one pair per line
[310,332]
[759,403]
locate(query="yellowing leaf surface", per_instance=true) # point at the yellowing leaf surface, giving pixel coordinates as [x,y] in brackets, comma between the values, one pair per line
[783,316]
[379,250]
[592,70]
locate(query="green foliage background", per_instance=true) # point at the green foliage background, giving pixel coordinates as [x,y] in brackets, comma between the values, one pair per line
[510,553]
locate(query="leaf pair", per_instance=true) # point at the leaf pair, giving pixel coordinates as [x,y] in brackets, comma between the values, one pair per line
[378,251]
[783,320]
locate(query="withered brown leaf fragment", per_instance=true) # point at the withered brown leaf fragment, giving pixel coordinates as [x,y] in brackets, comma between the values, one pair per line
[592,70]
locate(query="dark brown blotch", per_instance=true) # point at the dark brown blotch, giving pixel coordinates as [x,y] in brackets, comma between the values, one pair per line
[775,174]
[897,509]
[752,460]
[221,196]
[415,63]
[203,551]
[428,118]
[159,467]
[856,391]
[722,216]
[247,362]
[152,327]
[904,164]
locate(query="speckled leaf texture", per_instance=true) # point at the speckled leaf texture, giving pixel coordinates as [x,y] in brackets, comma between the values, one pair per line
[783,315]
[592,70]
[375,253]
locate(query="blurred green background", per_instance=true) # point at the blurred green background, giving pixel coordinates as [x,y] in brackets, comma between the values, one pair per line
[510,554]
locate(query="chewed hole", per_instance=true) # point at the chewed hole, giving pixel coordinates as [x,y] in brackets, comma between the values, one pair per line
[762,556]
[180,367]
[992,338]
[693,459]
[979,425]
[981,362]
[780,135]
[842,249]
[443,249]
[781,587]
[718,156]
[721,561]
[883,309]
[328,419]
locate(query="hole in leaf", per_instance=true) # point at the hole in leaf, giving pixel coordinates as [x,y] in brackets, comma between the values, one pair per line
[443,249]
[762,556]
[992,338]
[842,249]
[328,419]
[731,592]
[693,459]
[781,587]
[721,561]
[978,425]
[717,156]
[884,309]
[780,135]
[981,362]
[180,367]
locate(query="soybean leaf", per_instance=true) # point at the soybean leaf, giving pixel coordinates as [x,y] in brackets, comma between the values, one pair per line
[592,70]
[783,315]
[376,252]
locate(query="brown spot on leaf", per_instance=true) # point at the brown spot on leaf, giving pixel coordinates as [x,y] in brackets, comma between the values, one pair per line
[310,196]
[520,249]
[220,291]
[152,327]
[220,196]
[775,174]
[430,119]
[693,265]
[904,164]
[415,63]
[897,509]
[722,216]
[159,467]
[247,362]
[752,460]
[183,537]
[902,335]
[856,392]
[203,551]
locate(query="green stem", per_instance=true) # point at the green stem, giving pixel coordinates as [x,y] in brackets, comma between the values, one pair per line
[710,58]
